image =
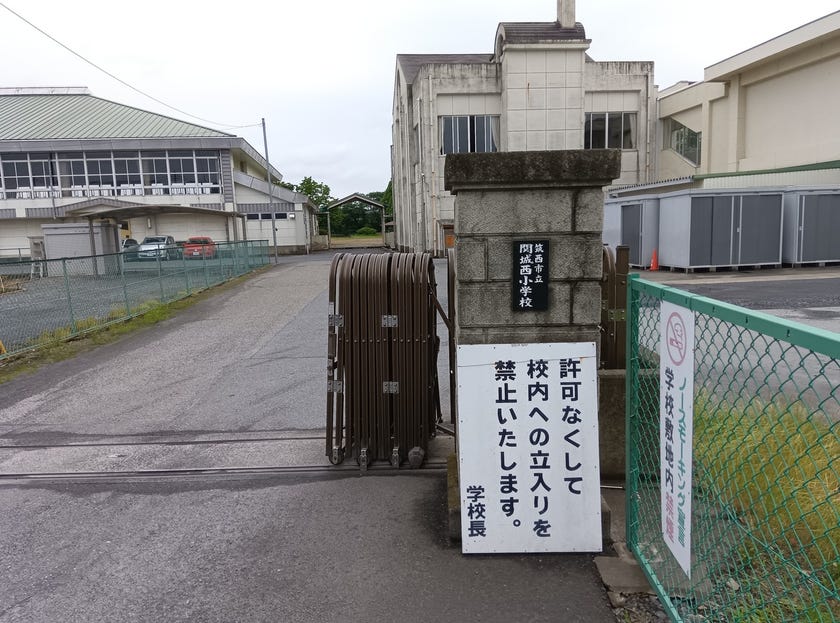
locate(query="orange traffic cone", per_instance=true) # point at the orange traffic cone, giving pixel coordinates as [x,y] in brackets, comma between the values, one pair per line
[654,261]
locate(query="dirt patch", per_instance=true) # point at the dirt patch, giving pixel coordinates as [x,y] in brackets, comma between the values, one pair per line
[637,608]
[11,284]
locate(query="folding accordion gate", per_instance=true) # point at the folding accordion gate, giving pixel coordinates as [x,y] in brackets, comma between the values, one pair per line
[382,388]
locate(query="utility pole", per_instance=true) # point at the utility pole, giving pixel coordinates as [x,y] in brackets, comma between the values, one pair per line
[270,193]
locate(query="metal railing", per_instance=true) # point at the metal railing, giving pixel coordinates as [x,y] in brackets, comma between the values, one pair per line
[46,301]
[382,346]
[764,531]
[14,254]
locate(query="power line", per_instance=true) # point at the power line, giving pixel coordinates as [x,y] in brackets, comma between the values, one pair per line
[230,126]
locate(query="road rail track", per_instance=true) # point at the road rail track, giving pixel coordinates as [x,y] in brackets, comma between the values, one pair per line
[376,469]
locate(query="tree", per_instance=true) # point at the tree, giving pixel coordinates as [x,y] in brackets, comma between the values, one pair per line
[318,192]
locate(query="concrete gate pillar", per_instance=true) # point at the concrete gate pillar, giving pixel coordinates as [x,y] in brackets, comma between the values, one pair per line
[503,200]
[504,197]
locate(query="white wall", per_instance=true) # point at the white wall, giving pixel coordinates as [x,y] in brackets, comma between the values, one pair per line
[542,98]
[181,226]
[793,118]
[14,232]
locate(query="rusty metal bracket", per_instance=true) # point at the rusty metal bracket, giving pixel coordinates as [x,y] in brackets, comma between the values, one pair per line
[617,315]
[390,321]
[336,320]
[336,387]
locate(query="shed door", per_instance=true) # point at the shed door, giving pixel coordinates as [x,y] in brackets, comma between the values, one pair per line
[820,228]
[761,228]
[722,223]
[631,231]
[700,242]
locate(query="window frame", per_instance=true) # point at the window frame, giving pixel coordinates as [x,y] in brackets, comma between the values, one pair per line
[459,134]
[684,141]
[603,137]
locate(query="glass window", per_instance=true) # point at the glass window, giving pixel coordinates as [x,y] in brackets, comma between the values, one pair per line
[463,134]
[127,171]
[181,168]
[155,172]
[42,174]
[685,141]
[15,173]
[614,130]
[207,168]
[100,169]
[71,172]
[628,140]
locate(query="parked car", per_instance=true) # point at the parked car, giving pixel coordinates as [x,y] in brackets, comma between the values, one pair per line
[154,247]
[199,247]
[129,248]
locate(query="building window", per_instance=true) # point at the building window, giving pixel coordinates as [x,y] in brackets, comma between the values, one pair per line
[181,170]
[207,169]
[685,141]
[155,173]
[473,133]
[27,176]
[609,130]
[100,170]
[108,173]
[127,173]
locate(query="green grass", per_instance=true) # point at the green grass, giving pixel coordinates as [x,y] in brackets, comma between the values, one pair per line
[376,236]
[776,469]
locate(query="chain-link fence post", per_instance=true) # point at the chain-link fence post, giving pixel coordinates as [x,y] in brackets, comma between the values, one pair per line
[160,278]
[184,267]
[69,298]
[631,410]
[125,286]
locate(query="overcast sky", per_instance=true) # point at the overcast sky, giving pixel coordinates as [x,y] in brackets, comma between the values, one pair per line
[321,72]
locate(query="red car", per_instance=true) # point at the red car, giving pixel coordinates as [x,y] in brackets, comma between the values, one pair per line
[199,247]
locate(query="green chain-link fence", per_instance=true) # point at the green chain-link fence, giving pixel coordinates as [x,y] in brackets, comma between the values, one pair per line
[50,300]
[765,519]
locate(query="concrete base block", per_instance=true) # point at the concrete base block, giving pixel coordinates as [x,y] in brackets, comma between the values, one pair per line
[622,576]
[453,499]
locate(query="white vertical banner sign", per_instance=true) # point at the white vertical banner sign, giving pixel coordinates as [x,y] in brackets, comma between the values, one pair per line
[676,428]
[528,448]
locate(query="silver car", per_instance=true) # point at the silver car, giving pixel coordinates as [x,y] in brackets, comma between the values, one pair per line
[154,247]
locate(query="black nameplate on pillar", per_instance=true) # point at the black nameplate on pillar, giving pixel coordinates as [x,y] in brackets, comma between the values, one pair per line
[530,275]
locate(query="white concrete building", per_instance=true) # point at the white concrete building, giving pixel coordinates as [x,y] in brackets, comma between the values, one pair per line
[65,154]
[537,90]
[766,117]
[761,132]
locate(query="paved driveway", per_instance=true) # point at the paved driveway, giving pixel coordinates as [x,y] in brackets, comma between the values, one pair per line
[237,380]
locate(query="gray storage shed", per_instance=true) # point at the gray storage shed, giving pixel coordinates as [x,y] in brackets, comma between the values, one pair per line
[73,240]
[703,229]
[634,223]
[811,226]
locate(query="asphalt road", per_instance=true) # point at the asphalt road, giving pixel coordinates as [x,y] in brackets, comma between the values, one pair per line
[323,546]
[741,362]
[808,294]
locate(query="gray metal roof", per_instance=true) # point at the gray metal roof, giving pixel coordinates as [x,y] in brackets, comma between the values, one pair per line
[540,32]
[28,117]
[411,63]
